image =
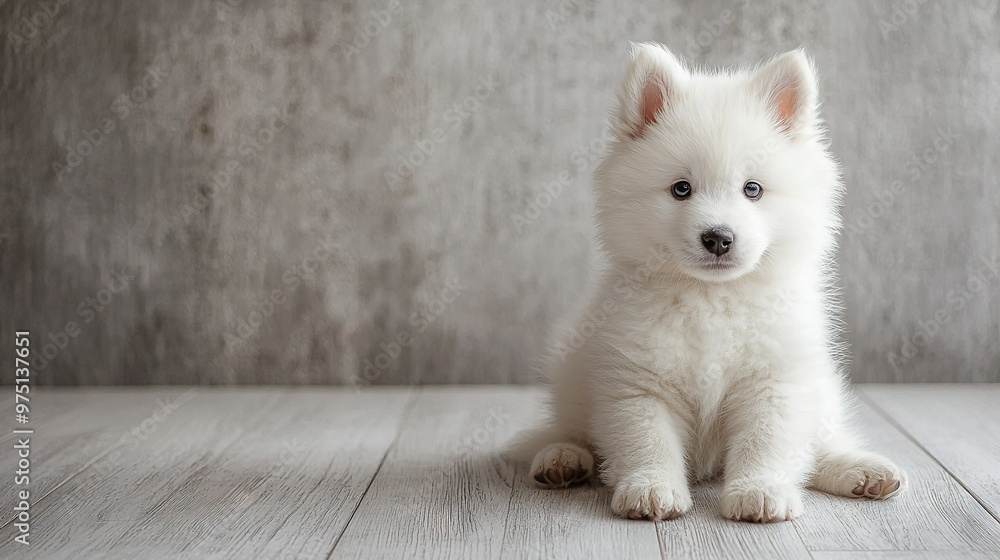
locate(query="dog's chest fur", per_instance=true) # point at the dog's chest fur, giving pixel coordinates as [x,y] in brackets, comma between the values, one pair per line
[693,348]
[694,340]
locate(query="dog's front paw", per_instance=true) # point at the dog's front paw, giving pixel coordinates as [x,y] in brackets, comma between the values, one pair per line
[760,502]
[655,501]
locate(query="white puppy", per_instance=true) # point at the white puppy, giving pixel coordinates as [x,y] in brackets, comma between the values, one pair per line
[709,347]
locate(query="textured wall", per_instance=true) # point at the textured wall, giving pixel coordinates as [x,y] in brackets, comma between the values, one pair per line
[307,191]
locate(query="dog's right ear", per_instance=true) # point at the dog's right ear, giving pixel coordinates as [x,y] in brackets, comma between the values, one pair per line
[651,80]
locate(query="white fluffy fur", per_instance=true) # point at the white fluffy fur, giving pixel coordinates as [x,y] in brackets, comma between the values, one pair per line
[687,365]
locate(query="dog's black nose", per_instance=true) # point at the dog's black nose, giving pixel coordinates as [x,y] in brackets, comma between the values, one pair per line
[717,240]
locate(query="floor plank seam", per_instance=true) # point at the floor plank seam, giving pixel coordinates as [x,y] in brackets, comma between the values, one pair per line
[84,468]
[660,545]
[892,421]
[510,505]
[287,517]
[407,409]
[798,533]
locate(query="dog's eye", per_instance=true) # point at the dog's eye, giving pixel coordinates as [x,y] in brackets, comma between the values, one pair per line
[752,190]
[681,190]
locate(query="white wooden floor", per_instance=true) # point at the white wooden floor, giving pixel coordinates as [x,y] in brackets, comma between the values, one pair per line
[415,473]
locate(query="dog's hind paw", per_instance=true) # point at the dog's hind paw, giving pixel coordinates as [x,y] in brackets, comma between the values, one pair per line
[559,465]
[859,475]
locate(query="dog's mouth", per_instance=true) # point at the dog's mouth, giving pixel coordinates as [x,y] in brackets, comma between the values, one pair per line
[719,265]
[716,269]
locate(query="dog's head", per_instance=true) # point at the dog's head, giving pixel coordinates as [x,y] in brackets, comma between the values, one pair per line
[717,175]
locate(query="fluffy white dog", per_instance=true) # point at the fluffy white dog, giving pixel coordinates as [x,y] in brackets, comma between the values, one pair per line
[709,347]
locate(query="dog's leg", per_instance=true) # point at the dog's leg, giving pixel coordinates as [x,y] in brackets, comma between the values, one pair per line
[640,441]
[560,452]
[768,455]
[845,468]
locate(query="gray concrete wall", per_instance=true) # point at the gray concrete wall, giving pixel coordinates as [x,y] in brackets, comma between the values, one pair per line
[242,169]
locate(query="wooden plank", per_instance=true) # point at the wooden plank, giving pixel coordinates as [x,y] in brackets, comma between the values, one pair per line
[246,473]
[101,506]
[79,429]
[292,486]
[444,490]
[957,424]
[935,514]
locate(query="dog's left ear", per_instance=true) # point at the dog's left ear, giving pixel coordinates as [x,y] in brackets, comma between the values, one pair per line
[788,84]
